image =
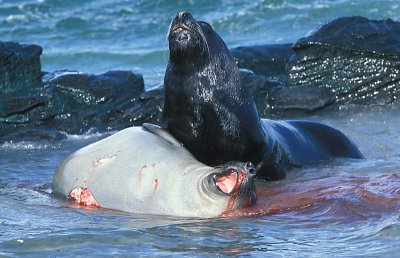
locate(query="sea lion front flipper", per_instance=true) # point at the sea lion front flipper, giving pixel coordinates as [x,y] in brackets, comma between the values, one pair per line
[156,130]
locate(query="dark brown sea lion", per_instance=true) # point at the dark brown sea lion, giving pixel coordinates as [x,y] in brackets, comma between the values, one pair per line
[208,109]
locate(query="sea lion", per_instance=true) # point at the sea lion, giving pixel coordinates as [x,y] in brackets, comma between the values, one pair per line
[149,172]
[209,110]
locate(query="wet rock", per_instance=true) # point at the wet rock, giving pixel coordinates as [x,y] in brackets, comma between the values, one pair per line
[269,60]
[19,67]
[70,102]
[83,101]
[274,99]
[356,58]
[147,108]
[287,100]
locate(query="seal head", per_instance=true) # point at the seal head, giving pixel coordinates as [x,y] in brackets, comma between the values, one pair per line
[235,180]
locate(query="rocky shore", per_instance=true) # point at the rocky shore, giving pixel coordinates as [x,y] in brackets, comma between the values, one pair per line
[348,61]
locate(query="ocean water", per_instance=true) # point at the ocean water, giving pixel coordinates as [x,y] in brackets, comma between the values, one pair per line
[97,36]
[338,208]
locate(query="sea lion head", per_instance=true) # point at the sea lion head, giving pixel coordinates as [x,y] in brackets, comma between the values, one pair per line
[192,41]
[234,181]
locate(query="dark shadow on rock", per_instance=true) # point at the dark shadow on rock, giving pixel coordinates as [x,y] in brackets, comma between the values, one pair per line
[356,58]
[69,102]
[146,108]
[292,101]
[19,67]
[348,61]
[274,99]
[268,60]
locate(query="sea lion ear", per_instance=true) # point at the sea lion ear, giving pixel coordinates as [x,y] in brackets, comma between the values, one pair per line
[156,130]
[206,26]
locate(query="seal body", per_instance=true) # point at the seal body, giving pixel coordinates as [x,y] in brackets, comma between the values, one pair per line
[209,110]
[149,172]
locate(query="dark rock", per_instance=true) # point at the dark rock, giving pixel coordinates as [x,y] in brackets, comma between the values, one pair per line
[147,108]
[83,101]
[19,67]
[356,58]
[269,60]
[274,99]
[13,104]
[379,37]
[87,90]
[253,81]
[299,99]
[71,102]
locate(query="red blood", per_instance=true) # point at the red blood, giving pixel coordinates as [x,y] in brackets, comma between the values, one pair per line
[83,196]
[155,185]
[349,197]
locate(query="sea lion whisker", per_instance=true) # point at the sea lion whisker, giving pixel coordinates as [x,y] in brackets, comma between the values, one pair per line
[166,40]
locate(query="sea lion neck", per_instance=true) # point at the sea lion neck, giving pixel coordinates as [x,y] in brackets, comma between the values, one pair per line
[186,66]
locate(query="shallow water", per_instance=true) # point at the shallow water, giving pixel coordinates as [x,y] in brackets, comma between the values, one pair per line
[338,208]
[341,207]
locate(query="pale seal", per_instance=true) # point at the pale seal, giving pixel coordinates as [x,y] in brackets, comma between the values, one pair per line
[149,172]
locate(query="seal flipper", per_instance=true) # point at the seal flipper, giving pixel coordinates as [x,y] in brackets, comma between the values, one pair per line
[157,130]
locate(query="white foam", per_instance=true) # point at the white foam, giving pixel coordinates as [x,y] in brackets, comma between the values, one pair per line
[89,135]
[28,145]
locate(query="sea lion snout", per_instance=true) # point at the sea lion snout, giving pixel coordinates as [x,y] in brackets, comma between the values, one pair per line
[183,21]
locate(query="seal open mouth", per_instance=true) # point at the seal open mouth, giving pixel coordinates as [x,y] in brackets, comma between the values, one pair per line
[229,181]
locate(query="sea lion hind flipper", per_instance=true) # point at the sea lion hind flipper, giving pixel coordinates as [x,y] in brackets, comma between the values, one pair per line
[330,139]
[157,130]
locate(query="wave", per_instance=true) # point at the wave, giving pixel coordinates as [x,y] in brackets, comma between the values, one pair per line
[71,139]
[27,145]
[96,36]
